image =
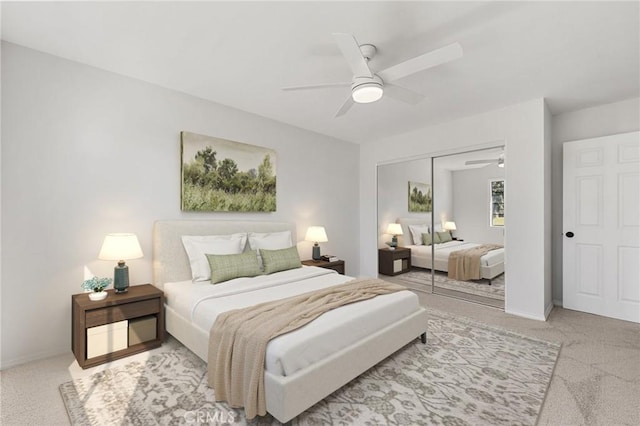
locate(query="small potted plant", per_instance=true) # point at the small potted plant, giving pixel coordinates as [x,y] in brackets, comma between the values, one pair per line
[96,286]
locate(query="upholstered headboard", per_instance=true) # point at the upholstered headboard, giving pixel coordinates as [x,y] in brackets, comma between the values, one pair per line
[170,261]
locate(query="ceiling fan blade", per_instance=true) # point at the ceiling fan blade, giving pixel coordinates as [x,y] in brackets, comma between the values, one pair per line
[317,86]
[422,62]
[351,51]
[402,94]
[346,106]
[470,162]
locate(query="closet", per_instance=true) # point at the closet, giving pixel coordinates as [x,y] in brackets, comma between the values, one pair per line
[459,197]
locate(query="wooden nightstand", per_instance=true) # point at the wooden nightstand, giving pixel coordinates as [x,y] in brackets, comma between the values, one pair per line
[394,262]
[338,265]
[107,322]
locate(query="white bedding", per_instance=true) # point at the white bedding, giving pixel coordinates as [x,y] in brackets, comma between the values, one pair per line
[201,302]
[443,250]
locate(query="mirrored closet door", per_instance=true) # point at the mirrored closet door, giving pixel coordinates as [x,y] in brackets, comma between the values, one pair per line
[451,212]
[469,251]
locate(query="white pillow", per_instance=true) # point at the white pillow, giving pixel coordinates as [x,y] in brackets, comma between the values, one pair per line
[416,233]
[270,241]
[197,247]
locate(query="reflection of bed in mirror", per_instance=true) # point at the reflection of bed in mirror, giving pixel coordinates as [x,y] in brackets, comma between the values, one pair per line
[491,264]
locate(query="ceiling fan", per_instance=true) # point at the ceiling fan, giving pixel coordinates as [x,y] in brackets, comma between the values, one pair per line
[368,86]
[499,161]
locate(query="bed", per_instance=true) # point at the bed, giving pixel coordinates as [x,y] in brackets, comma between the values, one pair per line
[491,264]
[301,367]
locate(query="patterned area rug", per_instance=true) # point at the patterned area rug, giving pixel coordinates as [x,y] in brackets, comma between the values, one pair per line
[422,278]
[468,373]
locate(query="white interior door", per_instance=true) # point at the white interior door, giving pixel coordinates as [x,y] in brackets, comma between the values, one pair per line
[601,222]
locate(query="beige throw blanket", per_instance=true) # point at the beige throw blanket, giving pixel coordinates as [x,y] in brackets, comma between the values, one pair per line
[465,264]
[238,338]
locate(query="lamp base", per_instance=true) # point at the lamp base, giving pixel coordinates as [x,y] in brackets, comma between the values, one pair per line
[121,278]
[393,244]
[315,253]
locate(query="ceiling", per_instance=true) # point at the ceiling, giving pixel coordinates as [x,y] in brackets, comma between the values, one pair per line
[240,54]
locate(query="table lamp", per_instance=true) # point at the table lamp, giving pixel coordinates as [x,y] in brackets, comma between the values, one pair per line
[394,229]
[120,247]
[450,226]
[316,234]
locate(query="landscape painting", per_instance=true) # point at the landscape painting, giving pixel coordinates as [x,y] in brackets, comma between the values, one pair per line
[420,199]
[220,175]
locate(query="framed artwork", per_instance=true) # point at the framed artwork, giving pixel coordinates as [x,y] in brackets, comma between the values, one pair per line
[420,199]
[220,175]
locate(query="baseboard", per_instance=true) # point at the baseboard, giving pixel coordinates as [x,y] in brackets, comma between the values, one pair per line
[557,303]
[523,315]
[14,362]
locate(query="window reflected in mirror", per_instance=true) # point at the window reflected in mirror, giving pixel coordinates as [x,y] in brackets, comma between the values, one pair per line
[496,186]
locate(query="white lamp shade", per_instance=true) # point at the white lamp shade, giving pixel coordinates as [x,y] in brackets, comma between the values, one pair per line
[394,229]
[316,234]
[450,226]
[120,247]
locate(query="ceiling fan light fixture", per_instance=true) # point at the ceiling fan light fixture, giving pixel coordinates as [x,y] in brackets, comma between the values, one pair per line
[367,92]
[367,86]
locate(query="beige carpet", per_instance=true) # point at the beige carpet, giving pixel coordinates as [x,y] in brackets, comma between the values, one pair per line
[467,373]
[596,381]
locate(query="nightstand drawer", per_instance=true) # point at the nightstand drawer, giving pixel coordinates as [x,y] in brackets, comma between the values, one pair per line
[337,265]
[339,268]
[122,312]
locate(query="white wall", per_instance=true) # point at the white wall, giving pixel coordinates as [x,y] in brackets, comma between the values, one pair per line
[548,266]
[602,120]
[86,152]
[471,204]
[0,214]
[521,126]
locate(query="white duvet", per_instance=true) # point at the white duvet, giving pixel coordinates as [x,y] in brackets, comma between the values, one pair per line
[442,251]
[201,302]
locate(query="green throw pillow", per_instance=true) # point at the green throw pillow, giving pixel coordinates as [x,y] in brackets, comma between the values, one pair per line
[426,239]
[280,260]
[444,236]
[226,267]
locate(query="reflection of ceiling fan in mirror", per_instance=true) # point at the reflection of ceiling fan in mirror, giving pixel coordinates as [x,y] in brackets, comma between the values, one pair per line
[499,161]
[368,86]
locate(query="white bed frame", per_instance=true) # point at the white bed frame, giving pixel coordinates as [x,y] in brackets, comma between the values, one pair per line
[286,396]
[487,272]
